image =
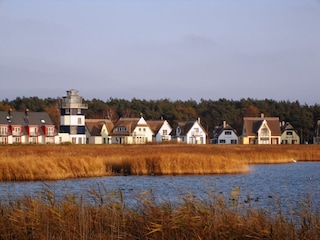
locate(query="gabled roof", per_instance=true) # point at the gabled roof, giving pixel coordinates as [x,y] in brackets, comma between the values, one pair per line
[219,130]
[287,126]
[253,124]
[130,124]
[185,127]
[25,119]
[155,125]
[94,126]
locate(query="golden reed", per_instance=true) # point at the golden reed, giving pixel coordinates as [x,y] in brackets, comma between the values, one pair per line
[53,162]
[45,217]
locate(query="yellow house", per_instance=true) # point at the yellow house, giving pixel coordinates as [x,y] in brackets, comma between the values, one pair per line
[261,130]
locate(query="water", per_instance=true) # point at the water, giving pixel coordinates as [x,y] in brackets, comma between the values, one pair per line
[286,185]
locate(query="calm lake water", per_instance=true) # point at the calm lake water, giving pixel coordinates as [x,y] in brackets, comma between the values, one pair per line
[286,185]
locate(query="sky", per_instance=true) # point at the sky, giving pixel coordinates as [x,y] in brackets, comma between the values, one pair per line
[161,49]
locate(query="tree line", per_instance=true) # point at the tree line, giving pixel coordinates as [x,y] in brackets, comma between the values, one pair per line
[212,113]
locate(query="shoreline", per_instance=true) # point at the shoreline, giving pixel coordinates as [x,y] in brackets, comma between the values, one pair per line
[58,162]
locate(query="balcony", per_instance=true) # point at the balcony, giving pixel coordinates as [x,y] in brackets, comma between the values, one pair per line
[74,105]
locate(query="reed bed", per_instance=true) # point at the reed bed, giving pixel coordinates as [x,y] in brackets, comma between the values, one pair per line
[53,162]
[45,217]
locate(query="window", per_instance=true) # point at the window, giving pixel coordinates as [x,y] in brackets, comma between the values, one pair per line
[33,131]
[121,129]
[67,110]
[222,141]
[50,131]
[33,140]
[227,133]
[16,131]
[79,121]
[164,132]
[16,140]
[79,111]
[73,130]
[289,133]
[264,131]
[178,130]
[234,141]
[3,131]
[3,140]
[196,130]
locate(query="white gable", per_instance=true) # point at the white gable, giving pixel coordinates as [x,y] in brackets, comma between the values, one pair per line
[142,121]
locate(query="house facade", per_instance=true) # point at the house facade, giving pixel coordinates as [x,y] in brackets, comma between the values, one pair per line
[190,132]
[261,130]
[289,135]
[224,134]
[98,131]
[26,128]
[161,130]
[131,131]
[316,138]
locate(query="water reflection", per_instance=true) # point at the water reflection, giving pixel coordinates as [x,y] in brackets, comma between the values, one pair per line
[285,185]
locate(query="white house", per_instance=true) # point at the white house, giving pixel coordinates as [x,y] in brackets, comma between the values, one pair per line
[161,130]
[98,131]
[131,131]
[190,132]
[224,134]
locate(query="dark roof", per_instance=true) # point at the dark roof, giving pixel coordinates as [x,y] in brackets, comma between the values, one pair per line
[252,125]
[185,127]
[287,126]
[23,119]
[219,129]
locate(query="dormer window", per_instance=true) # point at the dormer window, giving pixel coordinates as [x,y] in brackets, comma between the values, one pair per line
[121,129]
[178,130]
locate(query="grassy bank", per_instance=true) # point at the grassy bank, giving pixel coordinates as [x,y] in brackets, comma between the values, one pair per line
[52,162]
[45,217]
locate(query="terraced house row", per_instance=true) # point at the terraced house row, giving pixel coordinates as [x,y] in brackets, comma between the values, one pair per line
[37,128]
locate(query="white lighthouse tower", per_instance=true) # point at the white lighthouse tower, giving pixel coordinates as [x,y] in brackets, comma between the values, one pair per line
[72,119]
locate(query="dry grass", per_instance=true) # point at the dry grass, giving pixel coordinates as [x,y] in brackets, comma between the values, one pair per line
[52,162]
[71,218]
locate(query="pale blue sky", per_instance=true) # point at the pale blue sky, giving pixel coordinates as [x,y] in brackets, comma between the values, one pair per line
[153,49]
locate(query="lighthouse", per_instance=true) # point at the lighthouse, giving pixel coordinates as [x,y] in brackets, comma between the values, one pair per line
[72,118]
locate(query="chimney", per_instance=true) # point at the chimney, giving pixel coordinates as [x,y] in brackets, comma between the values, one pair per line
[262,115]
[9,112]
[198,120]
[26,112]
[224,124]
